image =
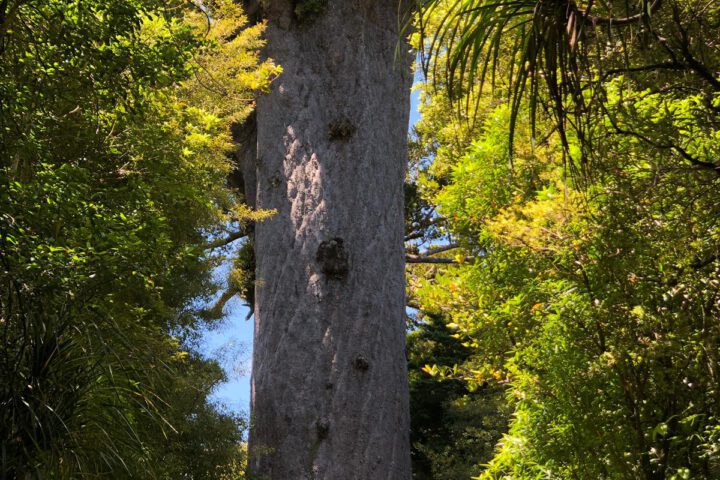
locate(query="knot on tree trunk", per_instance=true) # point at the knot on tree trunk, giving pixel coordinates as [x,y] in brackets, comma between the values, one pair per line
[341,129]
[361,363]
[323,428]
[334,260]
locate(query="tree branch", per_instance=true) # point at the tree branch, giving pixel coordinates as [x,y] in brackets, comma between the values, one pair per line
[216,310]
[622,21]
[672,65]
[665,146]
[440,249]
[413,305]
[698,264]
[414,235]
[222,242]
[6,18]
[690,59]
[409,258]
[427,257]
[416,306]
[420,259]
[698,163]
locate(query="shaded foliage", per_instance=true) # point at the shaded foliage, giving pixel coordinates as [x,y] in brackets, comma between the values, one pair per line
[454,429]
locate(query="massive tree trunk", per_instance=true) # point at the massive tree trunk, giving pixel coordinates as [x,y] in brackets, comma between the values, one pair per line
[329,386]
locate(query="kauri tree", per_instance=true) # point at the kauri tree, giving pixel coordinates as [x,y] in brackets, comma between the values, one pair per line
[329,384]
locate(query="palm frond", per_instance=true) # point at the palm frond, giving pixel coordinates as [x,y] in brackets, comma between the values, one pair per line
[538,51]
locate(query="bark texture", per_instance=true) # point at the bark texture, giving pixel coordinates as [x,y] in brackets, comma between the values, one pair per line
[329,386]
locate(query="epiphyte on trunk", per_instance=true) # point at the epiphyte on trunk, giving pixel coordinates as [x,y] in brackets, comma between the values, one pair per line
[341,129]
[307,9]
[361,363]
[323,428]
[333,258]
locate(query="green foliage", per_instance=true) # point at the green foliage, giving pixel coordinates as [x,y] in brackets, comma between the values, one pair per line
[204,441]
[453,429]
[554,58]
[593,314]
[593,298]
[111,179]
[242,276]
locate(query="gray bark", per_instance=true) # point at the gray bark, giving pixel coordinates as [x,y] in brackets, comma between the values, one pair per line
[329,384]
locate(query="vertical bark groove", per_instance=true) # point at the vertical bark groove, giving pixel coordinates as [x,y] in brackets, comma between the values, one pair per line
[317,411]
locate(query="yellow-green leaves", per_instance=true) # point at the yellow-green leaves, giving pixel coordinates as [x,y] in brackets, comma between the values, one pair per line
[228,72]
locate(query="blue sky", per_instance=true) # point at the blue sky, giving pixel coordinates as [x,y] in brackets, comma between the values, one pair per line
[231,341]
[231,344]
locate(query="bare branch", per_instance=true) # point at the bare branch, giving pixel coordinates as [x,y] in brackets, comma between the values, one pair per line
[440,249]
[421,233]
[222,242]
[427,257]
[414,236]
[622,21]
[216,310]
[424,259]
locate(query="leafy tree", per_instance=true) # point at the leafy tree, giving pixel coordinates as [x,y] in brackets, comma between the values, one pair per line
[585,278]
[112,173]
